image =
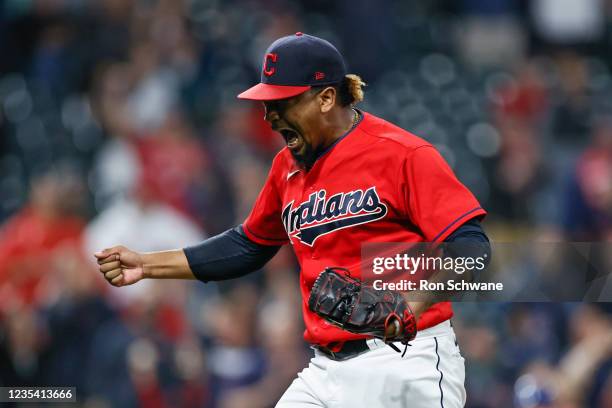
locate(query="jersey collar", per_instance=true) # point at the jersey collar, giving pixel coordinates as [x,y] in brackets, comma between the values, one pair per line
[330,147]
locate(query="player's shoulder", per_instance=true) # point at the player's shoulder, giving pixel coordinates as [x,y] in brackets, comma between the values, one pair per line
[282,163]
[389,135]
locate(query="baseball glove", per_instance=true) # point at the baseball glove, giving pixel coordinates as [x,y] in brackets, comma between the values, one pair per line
[345,302]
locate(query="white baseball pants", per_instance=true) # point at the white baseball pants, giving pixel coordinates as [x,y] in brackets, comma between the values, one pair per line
[431,374]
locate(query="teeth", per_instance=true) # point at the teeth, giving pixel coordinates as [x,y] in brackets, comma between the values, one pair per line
[291,138]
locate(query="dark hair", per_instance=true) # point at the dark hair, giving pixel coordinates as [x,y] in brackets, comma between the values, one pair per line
[350,90]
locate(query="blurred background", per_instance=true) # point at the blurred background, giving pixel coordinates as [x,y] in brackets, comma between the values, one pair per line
[119,124]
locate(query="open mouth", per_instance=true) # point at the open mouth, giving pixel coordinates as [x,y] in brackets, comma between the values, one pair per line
[300,150]
[292,138]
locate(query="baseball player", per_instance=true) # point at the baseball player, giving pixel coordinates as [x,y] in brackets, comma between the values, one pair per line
[345,178]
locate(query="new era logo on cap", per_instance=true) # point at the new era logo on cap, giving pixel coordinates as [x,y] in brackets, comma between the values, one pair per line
[294,64]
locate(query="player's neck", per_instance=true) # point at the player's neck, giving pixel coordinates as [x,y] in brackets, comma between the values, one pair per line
[338,124]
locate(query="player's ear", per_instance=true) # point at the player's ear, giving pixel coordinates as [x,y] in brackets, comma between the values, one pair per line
[327,99]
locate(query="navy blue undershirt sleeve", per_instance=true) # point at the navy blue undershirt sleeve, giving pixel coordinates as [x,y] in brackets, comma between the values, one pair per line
[469,240]
[228,255]
[471,229]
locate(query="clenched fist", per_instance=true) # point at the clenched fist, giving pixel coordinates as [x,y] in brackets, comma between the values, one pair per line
[120,266]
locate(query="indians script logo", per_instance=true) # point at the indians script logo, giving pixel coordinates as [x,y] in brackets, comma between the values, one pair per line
[321,215]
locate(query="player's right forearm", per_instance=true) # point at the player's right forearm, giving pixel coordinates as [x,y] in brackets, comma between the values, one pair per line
[166,265]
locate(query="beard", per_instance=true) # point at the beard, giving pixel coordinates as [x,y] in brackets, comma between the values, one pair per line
[307,158]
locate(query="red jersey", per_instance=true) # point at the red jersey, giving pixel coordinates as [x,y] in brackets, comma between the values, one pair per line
[377,183]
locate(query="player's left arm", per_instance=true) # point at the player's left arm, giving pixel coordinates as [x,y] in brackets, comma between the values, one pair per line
[467,241]
[445,211]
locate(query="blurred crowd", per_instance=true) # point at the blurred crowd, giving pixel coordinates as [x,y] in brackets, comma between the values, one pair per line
[119,124]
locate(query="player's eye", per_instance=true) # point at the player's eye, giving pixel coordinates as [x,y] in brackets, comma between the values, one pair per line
[276,106]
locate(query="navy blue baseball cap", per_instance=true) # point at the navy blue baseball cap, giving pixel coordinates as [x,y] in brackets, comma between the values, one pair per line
[294,64]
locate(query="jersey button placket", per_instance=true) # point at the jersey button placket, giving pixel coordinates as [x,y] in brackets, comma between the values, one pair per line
[307,191]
